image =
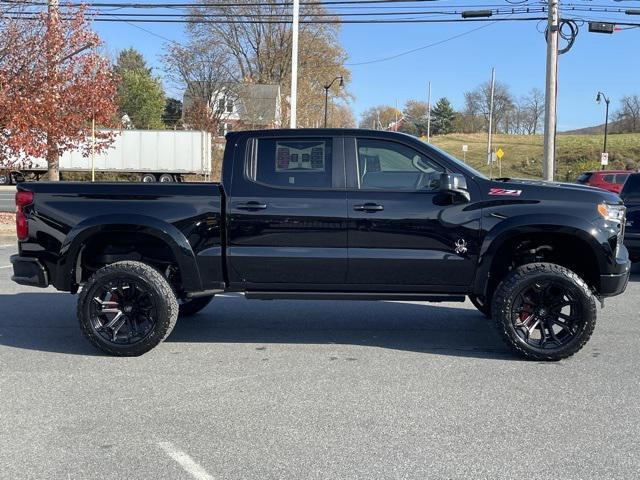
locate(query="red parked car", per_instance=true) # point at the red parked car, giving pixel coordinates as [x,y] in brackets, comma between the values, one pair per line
[612,180]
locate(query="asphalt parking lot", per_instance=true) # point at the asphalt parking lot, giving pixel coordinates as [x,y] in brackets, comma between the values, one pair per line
[318,390]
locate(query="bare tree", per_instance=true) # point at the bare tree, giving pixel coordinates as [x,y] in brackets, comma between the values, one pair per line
[629,114]
[379,117]
[533,105]
[200,69]
[261,52]
[477,104]
[341,117]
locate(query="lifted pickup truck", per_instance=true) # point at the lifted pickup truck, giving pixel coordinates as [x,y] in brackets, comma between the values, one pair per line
[327,214]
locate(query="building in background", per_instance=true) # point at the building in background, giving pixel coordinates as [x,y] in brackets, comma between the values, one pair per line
[241,106]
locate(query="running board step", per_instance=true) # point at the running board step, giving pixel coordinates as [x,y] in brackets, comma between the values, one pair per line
[420,297]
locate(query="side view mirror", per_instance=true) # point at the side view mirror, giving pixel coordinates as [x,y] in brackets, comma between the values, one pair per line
[455,184]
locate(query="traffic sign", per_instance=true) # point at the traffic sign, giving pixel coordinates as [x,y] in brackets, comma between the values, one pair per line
[465,148]
[500,154]
[604,158]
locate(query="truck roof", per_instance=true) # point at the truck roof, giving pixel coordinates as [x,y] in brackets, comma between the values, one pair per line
[318,131]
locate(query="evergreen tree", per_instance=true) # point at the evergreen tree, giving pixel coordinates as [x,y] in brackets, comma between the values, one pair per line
[140,94]
[172,115]
[130,59]
[442,117]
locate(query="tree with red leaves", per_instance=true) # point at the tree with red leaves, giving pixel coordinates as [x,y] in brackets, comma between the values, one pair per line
[53,84]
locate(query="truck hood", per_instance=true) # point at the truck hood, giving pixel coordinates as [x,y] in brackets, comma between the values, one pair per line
[532,188]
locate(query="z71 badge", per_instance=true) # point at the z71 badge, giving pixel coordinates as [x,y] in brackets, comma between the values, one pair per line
[505,192]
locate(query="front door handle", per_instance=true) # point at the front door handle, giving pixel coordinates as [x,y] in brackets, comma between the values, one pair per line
[251,206]
[368,207]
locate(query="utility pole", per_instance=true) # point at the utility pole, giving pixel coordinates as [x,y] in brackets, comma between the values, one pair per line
[599,98]
[395,125]
[490,129]
[52,53]
[551,91]
[429,115]
[294,63]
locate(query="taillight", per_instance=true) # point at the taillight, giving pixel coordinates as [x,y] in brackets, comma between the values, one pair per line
[23,198]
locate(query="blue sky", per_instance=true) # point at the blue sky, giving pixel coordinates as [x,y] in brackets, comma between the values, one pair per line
[610,63]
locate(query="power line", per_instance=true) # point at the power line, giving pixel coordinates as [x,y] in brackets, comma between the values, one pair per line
[219,4]
[312,14]
[407,52]
[323,21]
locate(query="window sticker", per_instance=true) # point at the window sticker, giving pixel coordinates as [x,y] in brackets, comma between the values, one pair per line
[300,156]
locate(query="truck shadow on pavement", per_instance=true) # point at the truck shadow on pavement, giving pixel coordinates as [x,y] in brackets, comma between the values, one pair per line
[46,321]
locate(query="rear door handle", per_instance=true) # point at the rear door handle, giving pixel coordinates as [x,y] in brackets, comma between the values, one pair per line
[251,206]
[368,207]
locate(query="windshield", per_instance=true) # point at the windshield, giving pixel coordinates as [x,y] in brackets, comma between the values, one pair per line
[631,186]
[464,166]
[584,178]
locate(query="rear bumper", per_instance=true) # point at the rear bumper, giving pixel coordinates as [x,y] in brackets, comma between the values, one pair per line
[29,271]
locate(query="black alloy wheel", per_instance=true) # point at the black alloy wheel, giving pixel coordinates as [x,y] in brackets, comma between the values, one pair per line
[123,311]
[544,311]
[547,314]
[127,308]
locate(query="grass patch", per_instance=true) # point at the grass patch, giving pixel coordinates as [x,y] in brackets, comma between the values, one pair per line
[523,153]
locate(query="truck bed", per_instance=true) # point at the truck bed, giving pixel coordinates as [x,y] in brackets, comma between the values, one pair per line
[187,216]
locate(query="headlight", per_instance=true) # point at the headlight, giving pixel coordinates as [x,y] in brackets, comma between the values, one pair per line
[613,213]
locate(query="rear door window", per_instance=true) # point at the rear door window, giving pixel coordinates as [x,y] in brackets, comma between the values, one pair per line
[295,163]
[608,178]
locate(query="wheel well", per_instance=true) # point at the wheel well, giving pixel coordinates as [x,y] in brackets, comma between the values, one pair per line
[106,248]
[562,249]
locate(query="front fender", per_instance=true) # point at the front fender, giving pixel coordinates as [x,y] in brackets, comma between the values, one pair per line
[509,228]
[164,231]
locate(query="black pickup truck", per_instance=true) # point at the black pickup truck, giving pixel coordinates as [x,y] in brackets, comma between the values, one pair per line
[327,214]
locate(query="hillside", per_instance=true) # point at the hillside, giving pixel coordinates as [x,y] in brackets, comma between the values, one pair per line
[523,153]
[614,127]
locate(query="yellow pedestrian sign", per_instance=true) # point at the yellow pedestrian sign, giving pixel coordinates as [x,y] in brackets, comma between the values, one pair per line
[500,154]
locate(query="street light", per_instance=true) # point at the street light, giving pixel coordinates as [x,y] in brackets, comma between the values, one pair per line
[599,99]
[326,95]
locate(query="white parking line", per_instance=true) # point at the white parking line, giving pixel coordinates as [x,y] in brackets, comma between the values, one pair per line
[6,266]
[185,461]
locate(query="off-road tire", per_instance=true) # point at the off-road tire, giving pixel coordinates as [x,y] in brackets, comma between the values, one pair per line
[192,306]
[526,275]
[481,304]
[157,287]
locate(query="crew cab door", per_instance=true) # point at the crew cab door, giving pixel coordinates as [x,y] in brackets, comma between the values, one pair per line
[286,213]
[403,233]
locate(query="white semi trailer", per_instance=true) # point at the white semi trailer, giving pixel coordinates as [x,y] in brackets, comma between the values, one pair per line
[155,155]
